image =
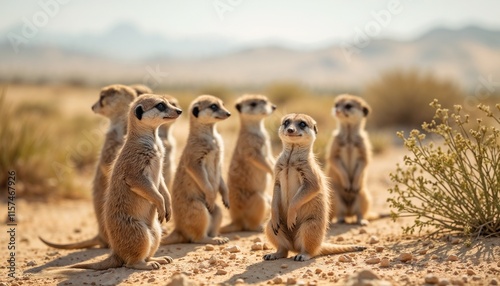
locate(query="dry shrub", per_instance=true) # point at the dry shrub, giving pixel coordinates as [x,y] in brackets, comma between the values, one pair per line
[43,150]
[452,186]
[400,99]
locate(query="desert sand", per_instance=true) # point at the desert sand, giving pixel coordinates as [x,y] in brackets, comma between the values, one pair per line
[391,258]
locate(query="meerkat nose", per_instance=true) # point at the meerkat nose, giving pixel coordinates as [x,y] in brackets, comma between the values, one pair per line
[228,114]
[273,107]
[290,130]
[178,111]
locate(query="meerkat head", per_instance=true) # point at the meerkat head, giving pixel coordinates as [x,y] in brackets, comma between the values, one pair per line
[350,108]
[173,101]
[114,100]
[141,89]
[298,129]
[208,109]
[254,106]
[153,110]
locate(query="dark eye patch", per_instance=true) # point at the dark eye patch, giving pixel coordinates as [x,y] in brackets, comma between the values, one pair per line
[161,106]
[286,122]
[253,104]
[302,125]
[348,106]
[214,107]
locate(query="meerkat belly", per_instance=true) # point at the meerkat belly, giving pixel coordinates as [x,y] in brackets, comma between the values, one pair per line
[213,167]
[290,181]
[350,156]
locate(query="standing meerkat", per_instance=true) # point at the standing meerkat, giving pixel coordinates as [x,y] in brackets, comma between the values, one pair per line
[165,134]
[300,206]
[347,158]
[114,101]
[251,162]
[137,199]
[198,178]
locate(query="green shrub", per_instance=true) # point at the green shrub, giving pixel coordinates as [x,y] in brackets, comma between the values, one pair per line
[400,98]
[452,186]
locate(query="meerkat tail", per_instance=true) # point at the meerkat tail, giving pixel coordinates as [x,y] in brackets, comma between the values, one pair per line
[328,248]
[113,261]
[371,216]
[173,238]
[95,241]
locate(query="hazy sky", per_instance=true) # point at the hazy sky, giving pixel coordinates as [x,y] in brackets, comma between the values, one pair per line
[300,22]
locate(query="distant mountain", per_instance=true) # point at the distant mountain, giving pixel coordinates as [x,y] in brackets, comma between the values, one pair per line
[127,54]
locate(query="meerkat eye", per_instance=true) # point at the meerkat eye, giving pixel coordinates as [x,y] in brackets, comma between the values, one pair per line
[161,106]
[253,104]
[348,106]
[337,105]
[286,123]
[214,107]
[101,100]
[302,125]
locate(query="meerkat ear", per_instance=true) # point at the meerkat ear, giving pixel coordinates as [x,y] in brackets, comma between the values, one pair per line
[196,111]
[238,107]
[138,112]
[315,129]
[366,110]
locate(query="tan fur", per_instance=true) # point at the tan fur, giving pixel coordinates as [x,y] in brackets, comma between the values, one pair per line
[251,163]
[347,158]
[198,178]
[165,134]
[113,103]
[300,206]
[137,199]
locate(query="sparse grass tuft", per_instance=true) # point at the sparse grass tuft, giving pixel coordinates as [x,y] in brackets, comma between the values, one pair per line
[46,150]
[452,186]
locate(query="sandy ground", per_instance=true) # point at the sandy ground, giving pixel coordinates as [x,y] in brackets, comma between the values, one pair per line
[445,261]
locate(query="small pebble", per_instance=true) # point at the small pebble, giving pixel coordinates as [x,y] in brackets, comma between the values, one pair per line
[209,247]
[151,280]
[257,239]
[239,281]
[257,246]
[379,249]
[494,281]
[31,263]
[455,240]
[405,257]
[444,282]
[284,266]
[434,257]
[233,249]
[373,239]
[340,238]
[422,252]
[452,258]
[345,258]
[277,280]
[373,260]
[232,256]
[384,262]
[470,272]
[362,231]
[318,271]
[431,279]
[221,272]
[291,281]
[266,247]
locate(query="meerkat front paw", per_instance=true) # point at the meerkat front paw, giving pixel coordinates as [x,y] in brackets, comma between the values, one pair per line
[291,218]
[275,225]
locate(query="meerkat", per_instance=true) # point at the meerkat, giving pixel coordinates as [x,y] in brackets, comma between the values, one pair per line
[137,199]
[348,155]
[165,134]
[141,89]
[198,178]
[251,163]
[300,205]
[113,103]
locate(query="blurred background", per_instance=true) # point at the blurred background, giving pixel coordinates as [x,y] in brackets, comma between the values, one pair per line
[55,55]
